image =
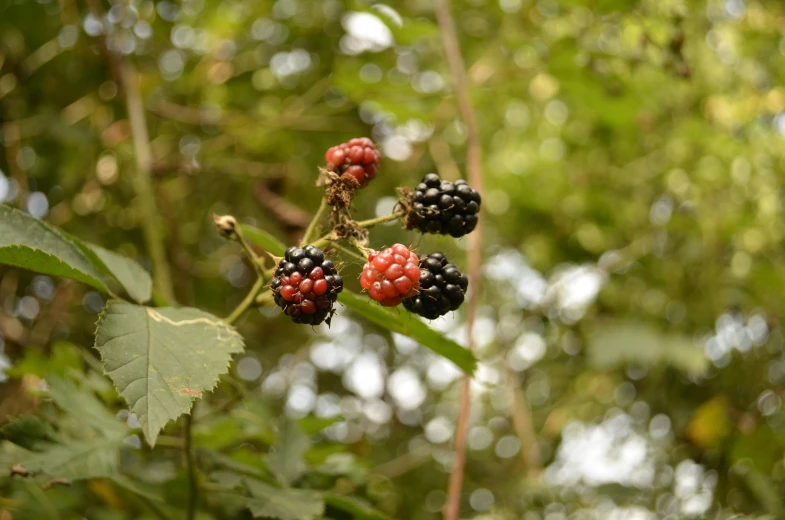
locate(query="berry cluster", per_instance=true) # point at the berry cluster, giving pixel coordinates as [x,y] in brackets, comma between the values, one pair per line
[391,275]
[358,158]
[444,207]
[442,288]
[305,285]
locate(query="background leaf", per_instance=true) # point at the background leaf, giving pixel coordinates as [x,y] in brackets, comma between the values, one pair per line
[284,504]
[617,345]
[31,243]
[405,323]
[286,458]
[264,239]
[162,359]
[132,276]
[76,460]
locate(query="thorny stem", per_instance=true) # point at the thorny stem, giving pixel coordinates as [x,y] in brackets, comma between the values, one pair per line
[474,169]
[193,485]
[143,185]
[314,222]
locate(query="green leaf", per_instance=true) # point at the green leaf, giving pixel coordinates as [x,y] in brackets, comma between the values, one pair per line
[284,504]
[31,243]
[132,276]
[356,508]
[287,458]
[86,407]
[76,460]
[263,239]
[616,345]
[404,323]
[161,360]
[27,431]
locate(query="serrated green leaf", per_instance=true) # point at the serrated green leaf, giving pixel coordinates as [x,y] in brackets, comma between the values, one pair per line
[27,431]
[264,239]
[161,360]
[286,459]
[132,276]
[76,460]
[31,243]
[404,323]
[355,507]
[284,504]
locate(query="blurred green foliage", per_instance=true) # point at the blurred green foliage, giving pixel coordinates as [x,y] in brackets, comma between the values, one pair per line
[631,352]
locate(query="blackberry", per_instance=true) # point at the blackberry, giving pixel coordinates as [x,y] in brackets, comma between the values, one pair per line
[358,158]
[391,275]
[444,207]
[305,285]
[442,288]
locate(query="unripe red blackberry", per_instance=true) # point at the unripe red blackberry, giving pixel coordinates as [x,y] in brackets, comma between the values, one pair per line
[358,158]
[442,288]
[305,285]
[444,207]
[391,275]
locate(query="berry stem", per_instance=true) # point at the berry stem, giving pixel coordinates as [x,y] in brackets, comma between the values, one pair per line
[255,260]
[329,237]
[314,222]
[249,300]
[348,252]
[380,220]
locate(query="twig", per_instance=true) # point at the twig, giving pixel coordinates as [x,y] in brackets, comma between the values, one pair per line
[524,427]
[314,222]
[162,278]
[190,462]
[474,171]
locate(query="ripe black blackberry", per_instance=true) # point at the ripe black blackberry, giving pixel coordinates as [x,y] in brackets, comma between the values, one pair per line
[444,207]
[442,287]
[305,285]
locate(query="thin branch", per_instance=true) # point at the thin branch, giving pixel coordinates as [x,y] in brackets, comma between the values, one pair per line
[190,462]
[314,222]
[524,427]
[143,185]
[474,170]
[247,302]
[380,220]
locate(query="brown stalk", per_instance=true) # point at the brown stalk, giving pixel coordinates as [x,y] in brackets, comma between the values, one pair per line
[474,172]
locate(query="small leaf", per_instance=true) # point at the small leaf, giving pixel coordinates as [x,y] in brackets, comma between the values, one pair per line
[31,243]
[161,360]
[287,458]
[403,322]
[356,508]
[264,239]
[27,431]
[76,460]
[284,504]
[86,407]
[132,276]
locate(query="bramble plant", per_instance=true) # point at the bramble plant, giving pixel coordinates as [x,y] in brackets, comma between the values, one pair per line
[163,358]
